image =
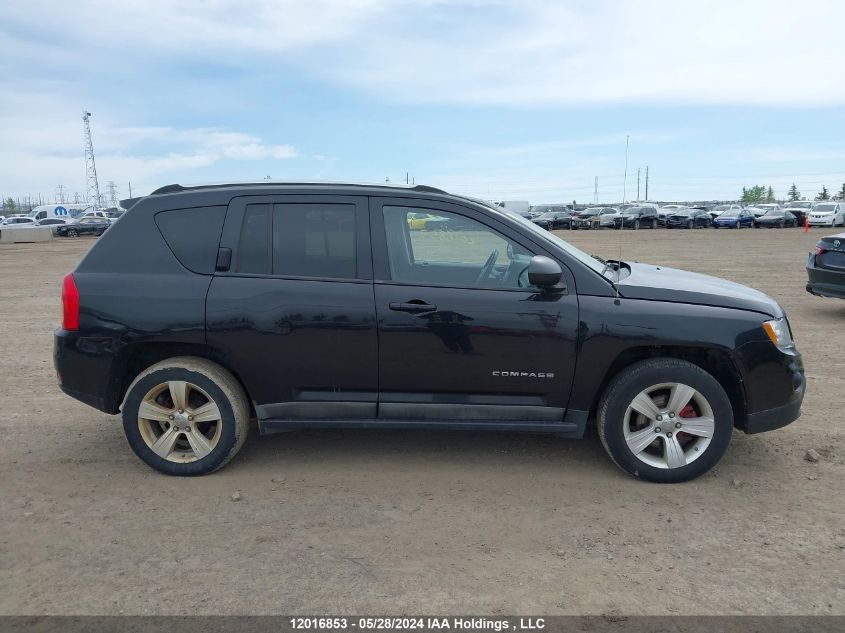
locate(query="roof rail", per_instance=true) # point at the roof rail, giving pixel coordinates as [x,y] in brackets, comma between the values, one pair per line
[176,188]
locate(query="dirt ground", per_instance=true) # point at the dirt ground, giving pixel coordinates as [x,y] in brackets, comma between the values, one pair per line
[421,522]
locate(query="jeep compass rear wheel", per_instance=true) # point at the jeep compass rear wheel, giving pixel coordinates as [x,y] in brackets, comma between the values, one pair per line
[665,420]
[185,416]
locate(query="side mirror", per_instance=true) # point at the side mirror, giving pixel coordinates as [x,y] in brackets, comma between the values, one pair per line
[545,273]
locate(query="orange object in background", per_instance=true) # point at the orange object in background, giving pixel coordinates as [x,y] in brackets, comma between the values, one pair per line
[806,222]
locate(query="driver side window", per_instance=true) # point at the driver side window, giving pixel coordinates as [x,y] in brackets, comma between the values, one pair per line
[429,246]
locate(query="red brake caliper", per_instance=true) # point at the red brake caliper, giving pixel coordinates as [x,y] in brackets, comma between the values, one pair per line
[688,412]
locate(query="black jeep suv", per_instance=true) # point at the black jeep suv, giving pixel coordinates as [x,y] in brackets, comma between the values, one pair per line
[316,306]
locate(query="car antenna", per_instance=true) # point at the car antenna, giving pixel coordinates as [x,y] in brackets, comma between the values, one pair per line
[622,224]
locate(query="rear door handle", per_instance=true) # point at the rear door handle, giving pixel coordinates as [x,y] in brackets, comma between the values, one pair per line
[412,306]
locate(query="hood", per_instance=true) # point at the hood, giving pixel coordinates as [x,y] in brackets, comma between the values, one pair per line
[658,283]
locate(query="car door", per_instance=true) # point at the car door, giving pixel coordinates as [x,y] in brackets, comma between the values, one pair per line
[291,306]
[463,338]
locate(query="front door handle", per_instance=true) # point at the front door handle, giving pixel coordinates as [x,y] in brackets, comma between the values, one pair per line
[412,306]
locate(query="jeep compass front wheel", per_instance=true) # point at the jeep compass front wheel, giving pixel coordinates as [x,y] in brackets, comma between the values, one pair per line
[665,420]
[185,416]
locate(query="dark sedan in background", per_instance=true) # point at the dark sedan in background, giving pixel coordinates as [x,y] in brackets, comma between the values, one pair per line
[87,226]
[688,219]
[636,217]
[826,267]
[734,219]
[776,219]
[554,220]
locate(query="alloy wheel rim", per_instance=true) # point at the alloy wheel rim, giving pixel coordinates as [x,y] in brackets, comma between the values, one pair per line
[179,421]
[669,425]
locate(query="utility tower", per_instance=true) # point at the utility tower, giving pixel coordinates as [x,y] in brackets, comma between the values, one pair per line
[596,190]
[112,189]
[92,187]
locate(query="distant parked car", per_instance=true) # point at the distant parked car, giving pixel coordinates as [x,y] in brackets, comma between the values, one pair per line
[666,210]
[588,219]
[827,214]
[776,219]
[15,221]
[688,219]
[86,226]
[608,217]
[722,208]
[799,209]
[554,220]
[53,223]
[734,219]
[539,209]
[826,267]
[637,217]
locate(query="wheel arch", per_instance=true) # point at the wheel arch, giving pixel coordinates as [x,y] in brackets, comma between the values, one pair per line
[134,358]
[715,361]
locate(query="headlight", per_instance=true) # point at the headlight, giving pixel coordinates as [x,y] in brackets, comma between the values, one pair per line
[778,331]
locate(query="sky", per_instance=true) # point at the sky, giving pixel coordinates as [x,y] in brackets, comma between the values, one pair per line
[504,100]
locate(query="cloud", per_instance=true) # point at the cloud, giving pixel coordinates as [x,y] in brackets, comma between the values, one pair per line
[525,53]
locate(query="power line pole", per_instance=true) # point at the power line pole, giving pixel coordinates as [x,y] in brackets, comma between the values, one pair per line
[130,188]
[60,194]
[625,178]
[112,194]
[646,182]
[638,184]
[92,186]
[596,190]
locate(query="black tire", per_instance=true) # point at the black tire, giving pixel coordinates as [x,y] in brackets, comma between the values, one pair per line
[636,224]
[219,384]
[738,225]
[72,233]
[640,376]
[689,224]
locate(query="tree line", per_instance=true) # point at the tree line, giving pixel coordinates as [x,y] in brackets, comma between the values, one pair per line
[759,193]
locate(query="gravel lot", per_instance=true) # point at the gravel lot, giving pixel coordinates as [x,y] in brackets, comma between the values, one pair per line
[421,522]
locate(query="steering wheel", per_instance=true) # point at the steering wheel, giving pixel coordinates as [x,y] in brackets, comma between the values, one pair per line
[488,267]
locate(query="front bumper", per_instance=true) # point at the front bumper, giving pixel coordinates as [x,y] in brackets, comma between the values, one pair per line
[811,221]
[775,385]
[772,419]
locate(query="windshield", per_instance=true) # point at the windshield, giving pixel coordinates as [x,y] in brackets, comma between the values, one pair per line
[722,207]
[551,215]
[683,212]
[801,205]
[775,213]
[635,210]
[730,214]
[825,207]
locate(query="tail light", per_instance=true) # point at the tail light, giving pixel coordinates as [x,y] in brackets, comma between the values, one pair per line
[820,250]
[70,303]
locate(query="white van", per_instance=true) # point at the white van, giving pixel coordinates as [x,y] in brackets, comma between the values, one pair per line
[65,211]
[827,213]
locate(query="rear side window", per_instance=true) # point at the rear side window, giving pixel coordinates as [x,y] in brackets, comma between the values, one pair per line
[314,240]
[254,241]
[193,235]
